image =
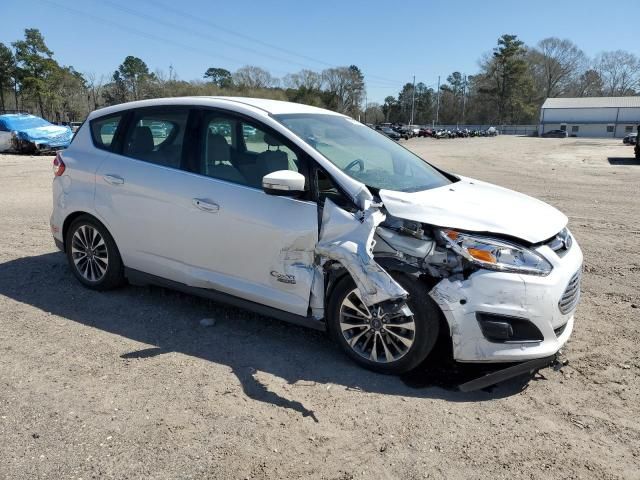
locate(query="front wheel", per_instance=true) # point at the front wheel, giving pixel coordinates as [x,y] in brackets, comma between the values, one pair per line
[384,344]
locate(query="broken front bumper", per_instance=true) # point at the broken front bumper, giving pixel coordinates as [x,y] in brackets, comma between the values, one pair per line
[544,305]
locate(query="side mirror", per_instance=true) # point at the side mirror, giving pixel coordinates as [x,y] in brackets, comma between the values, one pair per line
[283,182]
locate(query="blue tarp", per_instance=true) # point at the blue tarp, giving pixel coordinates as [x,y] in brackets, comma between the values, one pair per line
[36,130]
[17,122]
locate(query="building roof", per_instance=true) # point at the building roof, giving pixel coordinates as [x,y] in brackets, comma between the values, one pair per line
[593,102]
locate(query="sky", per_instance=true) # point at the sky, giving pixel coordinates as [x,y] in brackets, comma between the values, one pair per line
[390,41]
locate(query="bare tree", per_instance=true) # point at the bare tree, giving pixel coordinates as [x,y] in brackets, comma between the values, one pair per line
[253,77]
[589,84]
[555,64]
[373,113]
[344,87]
[94,86]
[620,72]
[307,79]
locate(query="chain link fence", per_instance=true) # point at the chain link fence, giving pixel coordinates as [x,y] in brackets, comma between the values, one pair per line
[524,130]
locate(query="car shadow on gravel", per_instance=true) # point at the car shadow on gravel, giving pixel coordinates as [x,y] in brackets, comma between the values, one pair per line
[623,161]
[247,343]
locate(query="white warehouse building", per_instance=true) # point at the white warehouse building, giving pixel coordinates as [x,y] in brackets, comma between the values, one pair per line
[591,116]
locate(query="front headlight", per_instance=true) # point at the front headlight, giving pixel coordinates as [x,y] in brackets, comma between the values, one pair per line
[495,254]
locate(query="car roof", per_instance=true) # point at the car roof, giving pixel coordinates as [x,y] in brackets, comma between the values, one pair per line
[16,115]
[262,106]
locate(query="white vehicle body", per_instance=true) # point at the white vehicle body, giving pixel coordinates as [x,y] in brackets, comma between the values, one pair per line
[209,234]
[6,141]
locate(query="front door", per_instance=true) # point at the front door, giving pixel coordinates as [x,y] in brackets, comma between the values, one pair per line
[238,239]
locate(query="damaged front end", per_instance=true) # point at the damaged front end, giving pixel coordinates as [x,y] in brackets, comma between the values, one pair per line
[368,244]
[499,298]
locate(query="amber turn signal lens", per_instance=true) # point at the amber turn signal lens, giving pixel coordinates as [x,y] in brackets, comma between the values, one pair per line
[452,234]
[482,255]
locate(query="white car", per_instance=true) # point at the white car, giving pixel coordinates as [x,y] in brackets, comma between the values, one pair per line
[318,220]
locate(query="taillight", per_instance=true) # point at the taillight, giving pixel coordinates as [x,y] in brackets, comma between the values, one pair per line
[58,165]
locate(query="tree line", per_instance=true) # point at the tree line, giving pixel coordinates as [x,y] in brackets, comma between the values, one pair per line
[509,87]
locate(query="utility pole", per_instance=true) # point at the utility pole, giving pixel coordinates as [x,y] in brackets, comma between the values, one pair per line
[438,104]
[464,96]
[413,99]
[365,107]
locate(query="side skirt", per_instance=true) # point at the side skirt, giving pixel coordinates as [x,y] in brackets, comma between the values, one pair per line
[137,277]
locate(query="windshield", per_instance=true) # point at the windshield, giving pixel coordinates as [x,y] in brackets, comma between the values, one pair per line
[22,122]
[363,153]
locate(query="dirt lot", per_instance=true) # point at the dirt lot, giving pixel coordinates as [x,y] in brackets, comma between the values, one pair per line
[127,384]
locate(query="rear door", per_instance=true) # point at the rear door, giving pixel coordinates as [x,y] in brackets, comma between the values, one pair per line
[141,192]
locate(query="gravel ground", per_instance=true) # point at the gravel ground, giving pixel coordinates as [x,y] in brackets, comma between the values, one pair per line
[128,384]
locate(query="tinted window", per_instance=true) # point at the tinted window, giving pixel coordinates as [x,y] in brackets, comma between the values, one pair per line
[104,129]
[240,152]
[156,136]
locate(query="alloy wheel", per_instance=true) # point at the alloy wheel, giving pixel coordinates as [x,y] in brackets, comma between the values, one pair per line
[372,334]
[89,253]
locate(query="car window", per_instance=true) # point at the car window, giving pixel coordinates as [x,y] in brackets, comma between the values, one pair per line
[223,127]
[239,152]
[363,154]
[103,130]
[156,136]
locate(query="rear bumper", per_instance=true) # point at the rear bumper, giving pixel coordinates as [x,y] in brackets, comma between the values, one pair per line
[529,297]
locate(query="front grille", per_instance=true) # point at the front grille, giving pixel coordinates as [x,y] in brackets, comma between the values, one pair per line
[571,295]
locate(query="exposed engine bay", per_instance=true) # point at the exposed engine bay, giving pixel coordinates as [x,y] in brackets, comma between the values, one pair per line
[370,242]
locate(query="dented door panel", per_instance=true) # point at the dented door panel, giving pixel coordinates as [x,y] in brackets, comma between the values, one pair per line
[255,246]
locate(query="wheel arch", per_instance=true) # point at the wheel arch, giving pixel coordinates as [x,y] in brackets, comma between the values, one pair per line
[69,219]
[334,275]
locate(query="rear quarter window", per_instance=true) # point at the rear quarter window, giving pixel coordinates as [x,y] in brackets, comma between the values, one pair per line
[103,131]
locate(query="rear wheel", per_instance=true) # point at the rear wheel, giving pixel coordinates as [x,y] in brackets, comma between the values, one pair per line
[92,254]
[383,343]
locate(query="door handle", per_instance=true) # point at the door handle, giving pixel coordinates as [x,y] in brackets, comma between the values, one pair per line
[206,205]
[113,179]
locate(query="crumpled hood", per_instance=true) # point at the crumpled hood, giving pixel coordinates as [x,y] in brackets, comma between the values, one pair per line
[478,206]
[51,134]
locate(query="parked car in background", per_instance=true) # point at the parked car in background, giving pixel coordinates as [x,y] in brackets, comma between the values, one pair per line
[248,131]
[630,139]
[391,133]
[25,133]
[555,134]
[345,231]
[75,126]
[159,129]
[404,131]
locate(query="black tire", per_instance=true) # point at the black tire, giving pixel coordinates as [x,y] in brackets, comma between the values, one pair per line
[28,148]
[113,276]
[426,318]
